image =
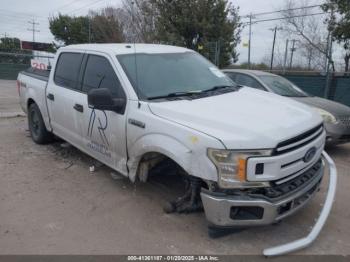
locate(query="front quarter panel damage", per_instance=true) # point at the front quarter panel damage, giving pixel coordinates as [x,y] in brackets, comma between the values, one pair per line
[185,146]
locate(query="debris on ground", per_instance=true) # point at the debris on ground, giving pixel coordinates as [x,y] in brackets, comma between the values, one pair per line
[116,176]
[95,165]
[65,145]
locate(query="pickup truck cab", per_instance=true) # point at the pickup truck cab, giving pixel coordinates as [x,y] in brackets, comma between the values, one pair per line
[251,157]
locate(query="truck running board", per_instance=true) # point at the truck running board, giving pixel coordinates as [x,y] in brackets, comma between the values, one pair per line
[306,241]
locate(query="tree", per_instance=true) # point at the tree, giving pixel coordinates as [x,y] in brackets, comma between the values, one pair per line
[309,32]
[341,25]
[70,30]
[138,18]
[10,43]
[98,27]
[12,46]
[197,24]
[105,26]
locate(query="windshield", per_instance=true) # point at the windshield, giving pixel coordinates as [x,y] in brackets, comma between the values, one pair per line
[158,75]
[282,86]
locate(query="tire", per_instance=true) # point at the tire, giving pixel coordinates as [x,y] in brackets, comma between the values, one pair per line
[37,128]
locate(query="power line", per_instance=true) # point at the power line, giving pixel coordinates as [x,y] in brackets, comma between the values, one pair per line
[6,35]
[21,13]
[281,18]
[19,17]
[64,6]
[282,10]
[15,15]
[14,24]
[83,7]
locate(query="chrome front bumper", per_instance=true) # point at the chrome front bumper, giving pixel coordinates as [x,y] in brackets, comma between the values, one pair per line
[218,209]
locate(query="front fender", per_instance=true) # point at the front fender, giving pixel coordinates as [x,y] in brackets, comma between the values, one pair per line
[158,143]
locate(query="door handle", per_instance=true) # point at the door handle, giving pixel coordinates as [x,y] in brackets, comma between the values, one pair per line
[79,108]
[51,96]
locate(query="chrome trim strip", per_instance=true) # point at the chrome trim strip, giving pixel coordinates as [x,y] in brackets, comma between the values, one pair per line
[318,132]
[306,241]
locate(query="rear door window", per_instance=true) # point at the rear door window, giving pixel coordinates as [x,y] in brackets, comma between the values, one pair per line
[232,76]
[67,70]
[99,73]
[246,80]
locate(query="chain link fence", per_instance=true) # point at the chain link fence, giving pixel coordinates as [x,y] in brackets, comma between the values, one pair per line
[314,83]
[14,61]
[11,63]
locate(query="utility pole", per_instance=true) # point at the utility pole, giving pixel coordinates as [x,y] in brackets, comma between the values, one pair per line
[285,57]
[250,39]
[273,44]
[328,60]
[292,52]
[33,23]
[6,35]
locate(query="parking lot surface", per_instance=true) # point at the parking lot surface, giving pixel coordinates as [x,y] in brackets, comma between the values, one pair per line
[50,203]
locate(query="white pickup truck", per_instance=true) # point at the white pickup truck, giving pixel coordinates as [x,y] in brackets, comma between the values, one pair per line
[250,157]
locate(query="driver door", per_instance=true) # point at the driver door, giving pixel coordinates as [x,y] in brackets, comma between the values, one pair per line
[103,131]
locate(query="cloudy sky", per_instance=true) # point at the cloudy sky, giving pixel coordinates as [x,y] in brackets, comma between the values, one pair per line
[15,14]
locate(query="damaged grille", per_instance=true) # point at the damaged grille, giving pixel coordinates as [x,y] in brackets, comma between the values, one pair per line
[278,191]
[299,141]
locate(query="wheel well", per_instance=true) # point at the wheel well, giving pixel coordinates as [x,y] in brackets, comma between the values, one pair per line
[29,102]
[154,162]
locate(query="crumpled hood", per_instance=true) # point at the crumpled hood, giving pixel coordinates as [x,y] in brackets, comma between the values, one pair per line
[245,119]
[335,108]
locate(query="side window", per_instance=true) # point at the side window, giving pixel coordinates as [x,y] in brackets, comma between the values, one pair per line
[67,70]
[248,81]
[100,74]
[231,75]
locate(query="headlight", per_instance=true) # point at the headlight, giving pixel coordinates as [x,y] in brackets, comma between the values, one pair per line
[231,166]
[327,117]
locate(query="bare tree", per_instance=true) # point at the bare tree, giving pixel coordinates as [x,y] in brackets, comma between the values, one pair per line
[139,20]
[309,30]
[106,26]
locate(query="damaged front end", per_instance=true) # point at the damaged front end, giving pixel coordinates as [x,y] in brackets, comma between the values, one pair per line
[265,206]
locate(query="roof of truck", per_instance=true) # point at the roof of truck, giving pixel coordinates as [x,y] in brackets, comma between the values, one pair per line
[127,48]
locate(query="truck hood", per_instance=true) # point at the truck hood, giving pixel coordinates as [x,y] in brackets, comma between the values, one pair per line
[245,119]
[335,108]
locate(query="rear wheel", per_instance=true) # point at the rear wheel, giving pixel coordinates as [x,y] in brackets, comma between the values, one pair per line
[37,128]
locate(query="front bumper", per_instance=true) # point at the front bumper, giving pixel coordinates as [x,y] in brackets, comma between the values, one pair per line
[219,209]
[223,210]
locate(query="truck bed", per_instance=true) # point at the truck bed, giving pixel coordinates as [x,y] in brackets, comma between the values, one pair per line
[32,87]
[37,73]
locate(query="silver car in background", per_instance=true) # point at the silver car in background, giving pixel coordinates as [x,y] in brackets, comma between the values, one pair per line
[336,116]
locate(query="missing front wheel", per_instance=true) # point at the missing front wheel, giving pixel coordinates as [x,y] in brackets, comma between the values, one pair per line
[190,202]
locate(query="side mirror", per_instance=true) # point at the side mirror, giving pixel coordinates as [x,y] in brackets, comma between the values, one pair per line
[102,99]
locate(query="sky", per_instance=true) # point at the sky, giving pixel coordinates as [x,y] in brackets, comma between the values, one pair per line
[15,14]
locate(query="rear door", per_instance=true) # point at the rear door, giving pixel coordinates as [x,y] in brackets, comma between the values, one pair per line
[63,96]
